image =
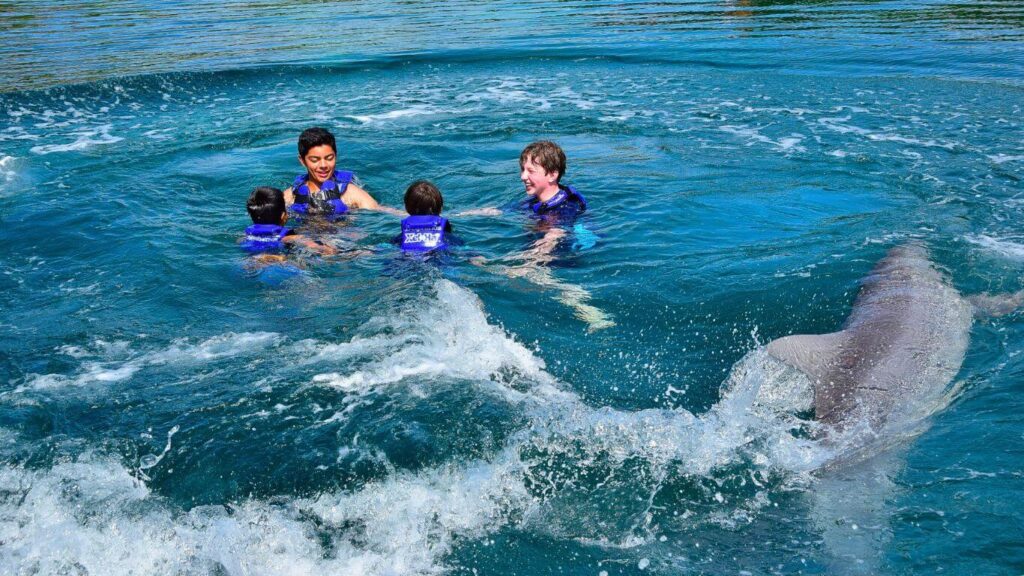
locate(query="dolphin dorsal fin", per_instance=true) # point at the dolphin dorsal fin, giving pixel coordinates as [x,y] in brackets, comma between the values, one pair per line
[812,354]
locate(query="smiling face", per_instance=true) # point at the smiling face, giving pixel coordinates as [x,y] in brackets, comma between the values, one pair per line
[319,162]
[538,181]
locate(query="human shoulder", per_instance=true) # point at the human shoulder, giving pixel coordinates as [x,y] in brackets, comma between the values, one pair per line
[356,197]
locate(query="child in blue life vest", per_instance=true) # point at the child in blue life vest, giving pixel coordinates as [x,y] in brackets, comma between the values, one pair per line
[322,189]
[267,237]
[555,208]
[424,229]
[541,167]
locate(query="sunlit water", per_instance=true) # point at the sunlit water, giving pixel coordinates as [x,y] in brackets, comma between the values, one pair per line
[164,410]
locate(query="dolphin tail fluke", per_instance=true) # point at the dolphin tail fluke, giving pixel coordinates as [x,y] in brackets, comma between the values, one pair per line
[996,304]
[812,354]
[815,355]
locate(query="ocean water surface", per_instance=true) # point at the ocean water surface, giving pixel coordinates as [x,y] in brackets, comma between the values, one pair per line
[167,409]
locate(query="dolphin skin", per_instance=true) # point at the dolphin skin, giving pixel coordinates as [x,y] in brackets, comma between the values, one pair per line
[902,344]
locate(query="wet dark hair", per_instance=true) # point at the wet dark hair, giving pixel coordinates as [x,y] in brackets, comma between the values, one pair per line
[545,154]
[266,205]
[313,137]
[422,198]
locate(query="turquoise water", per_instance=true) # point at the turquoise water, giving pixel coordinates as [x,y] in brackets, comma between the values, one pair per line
[164,410]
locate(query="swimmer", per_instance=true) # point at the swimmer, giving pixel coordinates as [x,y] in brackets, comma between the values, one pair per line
[541,167]
[267,237]
[424,229]
[554,206]
[323,189]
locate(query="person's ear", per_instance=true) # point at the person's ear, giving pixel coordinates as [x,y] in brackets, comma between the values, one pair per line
[284,217]
[553,176]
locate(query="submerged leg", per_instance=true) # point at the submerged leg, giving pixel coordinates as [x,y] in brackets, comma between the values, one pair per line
[572,295]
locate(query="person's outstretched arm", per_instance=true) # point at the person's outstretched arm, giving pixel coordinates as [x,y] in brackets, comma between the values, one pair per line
[488,211]
[356,197]
[322,249]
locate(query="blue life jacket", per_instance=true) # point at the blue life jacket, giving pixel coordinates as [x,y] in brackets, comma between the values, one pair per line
[566,200]
[264,238]
[327,200]
[423,233]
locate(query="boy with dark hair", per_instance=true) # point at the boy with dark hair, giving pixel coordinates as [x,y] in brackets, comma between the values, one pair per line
[267,236]
[424,229]
[323,189]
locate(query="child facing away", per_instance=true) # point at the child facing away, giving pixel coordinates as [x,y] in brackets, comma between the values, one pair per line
[323,189]
[267,237]
[424,229]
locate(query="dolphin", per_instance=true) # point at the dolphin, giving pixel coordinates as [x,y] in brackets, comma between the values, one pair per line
[889,366]
[900,347]
[871,385]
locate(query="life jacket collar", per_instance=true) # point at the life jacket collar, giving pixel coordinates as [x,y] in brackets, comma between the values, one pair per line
[565,194]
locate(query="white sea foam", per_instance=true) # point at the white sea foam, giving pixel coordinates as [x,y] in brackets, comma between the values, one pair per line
[791,142]
[840,124]
[433,345]
[17,133]
[96,516]
[84,139]
[1003,158]
[73,351]
[180,352]
[1001,246]
[510,92]
[412,111]
[929,143]
[159,133]
[8,173]
[753,135]
[754,416]
[109,522]
[410,522]
[620,117]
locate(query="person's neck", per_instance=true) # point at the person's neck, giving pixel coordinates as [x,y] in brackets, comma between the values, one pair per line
[548,194]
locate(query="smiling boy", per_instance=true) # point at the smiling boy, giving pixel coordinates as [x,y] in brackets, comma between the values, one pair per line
[555,206]
[541,167]
[323,189]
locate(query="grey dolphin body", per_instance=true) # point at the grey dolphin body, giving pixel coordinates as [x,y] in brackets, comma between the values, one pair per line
[902,344]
